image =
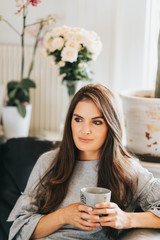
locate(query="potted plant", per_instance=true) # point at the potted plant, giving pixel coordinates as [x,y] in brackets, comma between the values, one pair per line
[71,49]
[18,92]
[142,119]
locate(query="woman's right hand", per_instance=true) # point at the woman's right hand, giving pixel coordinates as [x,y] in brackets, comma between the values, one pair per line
[76,214]
[79,216]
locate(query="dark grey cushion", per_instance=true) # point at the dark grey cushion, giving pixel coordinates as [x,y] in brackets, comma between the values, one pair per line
[17,158]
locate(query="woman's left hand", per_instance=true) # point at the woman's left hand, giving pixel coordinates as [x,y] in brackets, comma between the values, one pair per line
[115,217]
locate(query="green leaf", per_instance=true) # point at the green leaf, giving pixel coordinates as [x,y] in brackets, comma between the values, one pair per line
[25,92]
[21,110]
[57,55]
[12,93]
[12,84]
[16,101]
[27,83]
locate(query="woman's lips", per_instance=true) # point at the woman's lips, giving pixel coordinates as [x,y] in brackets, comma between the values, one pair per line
[85,140]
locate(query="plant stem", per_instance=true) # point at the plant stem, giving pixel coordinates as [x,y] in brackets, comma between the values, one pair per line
[39,22]
[34,49]
[22,41]
[14,29]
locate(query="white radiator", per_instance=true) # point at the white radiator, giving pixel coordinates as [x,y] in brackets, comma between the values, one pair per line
[49,99]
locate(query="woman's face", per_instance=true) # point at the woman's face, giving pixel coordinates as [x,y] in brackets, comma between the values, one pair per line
[89,129]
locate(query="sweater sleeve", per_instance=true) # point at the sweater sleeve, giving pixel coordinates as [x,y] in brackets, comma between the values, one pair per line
[148,191]
[23,216]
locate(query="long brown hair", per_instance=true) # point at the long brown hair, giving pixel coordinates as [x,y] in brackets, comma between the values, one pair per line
[116,168]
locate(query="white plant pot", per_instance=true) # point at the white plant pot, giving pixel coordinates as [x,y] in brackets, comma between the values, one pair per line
[142,122]
[14,124]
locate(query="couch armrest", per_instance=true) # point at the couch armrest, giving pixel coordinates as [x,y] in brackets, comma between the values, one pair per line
[140,234]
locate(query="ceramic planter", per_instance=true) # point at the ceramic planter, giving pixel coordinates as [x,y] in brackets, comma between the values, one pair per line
[142,122]
[14,124]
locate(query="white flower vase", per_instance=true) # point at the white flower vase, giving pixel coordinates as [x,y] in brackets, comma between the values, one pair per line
[72,87]
[14,124]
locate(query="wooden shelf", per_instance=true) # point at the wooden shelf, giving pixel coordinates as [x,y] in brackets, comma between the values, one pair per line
[44,134]
[48,135]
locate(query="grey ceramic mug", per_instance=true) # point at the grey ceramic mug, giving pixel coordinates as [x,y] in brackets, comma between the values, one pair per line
[90,196]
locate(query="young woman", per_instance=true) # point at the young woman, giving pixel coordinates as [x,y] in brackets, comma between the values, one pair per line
[90,154]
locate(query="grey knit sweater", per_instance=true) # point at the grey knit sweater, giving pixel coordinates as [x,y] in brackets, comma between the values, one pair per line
[85,174]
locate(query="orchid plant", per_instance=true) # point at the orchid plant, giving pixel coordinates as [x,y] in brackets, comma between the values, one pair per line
[71,49]
[18,91]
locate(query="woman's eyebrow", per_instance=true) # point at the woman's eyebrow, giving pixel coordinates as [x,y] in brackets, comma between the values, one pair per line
[98,117]
[83,117]
[77,115]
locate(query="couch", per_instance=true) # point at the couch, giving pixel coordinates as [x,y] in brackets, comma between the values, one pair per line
[17,158]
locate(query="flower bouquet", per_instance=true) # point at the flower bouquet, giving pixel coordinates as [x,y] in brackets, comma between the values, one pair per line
[18,91]
[71,49]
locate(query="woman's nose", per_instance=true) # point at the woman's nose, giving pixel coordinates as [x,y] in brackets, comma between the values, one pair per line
[86,129]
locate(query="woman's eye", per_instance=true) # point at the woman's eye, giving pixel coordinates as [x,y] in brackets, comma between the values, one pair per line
[77,119]
[97,122]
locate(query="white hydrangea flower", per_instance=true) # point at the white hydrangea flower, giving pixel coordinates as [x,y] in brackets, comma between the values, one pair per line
[94,35]
[57,43]
[47,36]
[83,64]
[64,30]
[79,37]
[47,40]
[77,29]
[61,63]
[59,31]
[92,43]
[73,44]
[99,46]
[69,54]
[51,62]
[95,47]
[69,35]
[43,52]
[55,32]
[48,44]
